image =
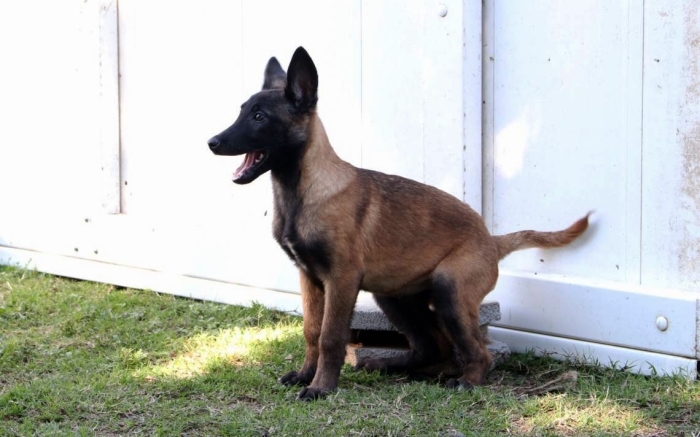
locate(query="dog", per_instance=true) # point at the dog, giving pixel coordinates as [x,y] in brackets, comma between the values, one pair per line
[426,256]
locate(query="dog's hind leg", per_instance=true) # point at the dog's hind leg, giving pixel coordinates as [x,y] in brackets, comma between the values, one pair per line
[412,316]
[459,285]
[313,303]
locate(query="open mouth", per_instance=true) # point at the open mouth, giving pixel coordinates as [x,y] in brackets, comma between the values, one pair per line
[251,162]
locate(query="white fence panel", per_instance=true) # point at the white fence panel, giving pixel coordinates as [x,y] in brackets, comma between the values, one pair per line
[671,169]
[49,88]
[566,128]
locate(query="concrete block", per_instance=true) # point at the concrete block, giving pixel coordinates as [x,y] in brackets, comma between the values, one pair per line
[373,336]
[369,317]
[499,350]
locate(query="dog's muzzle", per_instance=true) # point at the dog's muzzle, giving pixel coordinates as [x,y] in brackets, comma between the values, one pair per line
[214,144]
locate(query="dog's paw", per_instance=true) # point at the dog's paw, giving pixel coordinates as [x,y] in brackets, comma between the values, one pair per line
[294,378]
[311,394]
[459,384]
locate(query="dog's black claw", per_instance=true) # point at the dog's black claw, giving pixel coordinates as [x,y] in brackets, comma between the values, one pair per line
[360,365]
[311,394]
[458,384]
[371,365]
[290,378]
[293,378]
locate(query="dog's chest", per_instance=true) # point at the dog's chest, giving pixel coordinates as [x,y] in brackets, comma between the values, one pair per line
[312,256]
[296,254]
[306,247]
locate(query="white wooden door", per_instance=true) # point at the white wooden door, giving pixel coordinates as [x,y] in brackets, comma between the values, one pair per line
[567,130]
[116,104]
[178,89]
[49,106]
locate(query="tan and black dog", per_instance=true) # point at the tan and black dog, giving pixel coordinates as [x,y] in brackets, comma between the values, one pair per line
[426,256]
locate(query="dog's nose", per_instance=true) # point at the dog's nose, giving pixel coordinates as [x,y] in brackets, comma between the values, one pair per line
[214,143]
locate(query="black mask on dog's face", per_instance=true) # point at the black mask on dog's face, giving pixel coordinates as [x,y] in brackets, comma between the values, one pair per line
[271,127]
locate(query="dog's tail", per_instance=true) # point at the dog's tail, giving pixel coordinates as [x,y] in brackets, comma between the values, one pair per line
[527,239]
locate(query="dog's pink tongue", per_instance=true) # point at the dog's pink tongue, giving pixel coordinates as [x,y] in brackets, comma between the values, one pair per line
[247,163]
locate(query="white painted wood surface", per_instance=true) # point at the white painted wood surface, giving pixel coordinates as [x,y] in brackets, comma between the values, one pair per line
[176,92]
[109,106]
[443,103]
[599,311]
[472,71]
[671,149]
[631,360]
[397,94]
[154,280]
[566,129]
[582,117]
[412,105]
[49,89]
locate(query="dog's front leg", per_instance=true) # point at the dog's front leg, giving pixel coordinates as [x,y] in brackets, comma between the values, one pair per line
[340,297]
[312,302]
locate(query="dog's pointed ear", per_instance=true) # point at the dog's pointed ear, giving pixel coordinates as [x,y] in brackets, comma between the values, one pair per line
[275,77]
[302,81]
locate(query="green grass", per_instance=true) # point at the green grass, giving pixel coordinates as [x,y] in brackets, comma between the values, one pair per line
[80,358]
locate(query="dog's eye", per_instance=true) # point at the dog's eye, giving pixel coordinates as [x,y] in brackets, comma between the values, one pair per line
[259,116]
